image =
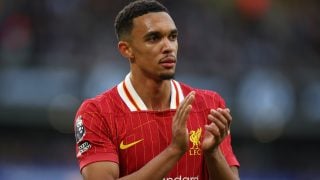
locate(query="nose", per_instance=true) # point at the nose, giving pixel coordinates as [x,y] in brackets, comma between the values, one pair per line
[168,45]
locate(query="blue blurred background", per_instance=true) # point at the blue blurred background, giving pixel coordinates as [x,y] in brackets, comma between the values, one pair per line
[262,56]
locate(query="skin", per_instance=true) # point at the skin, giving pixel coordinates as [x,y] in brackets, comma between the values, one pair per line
[152,42]
[151,49]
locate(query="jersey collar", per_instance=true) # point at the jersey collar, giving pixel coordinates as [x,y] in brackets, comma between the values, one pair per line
[133,101]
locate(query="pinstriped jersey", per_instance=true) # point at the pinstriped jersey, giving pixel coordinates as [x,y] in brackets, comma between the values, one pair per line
[116,126]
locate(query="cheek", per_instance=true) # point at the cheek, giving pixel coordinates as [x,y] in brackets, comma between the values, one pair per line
[145,50]
[152,52]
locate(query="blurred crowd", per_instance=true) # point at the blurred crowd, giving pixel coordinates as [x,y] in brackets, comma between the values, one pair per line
[237,33]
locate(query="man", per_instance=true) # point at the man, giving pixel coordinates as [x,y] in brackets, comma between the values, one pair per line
[150,126]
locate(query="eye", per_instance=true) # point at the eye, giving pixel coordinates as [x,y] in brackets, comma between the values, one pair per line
[153,38]
[173,37]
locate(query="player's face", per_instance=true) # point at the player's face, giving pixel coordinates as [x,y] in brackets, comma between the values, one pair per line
[154,45]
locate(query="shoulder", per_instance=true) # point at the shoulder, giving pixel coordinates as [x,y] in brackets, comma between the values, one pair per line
[106,102]
[204,96]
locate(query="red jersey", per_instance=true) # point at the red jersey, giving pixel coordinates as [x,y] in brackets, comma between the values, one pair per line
[116,126]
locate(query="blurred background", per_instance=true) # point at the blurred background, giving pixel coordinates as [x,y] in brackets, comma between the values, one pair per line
[262,56]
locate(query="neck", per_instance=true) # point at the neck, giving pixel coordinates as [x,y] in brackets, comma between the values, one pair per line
[154,94]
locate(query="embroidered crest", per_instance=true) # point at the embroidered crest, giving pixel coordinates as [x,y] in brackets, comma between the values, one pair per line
[195,139]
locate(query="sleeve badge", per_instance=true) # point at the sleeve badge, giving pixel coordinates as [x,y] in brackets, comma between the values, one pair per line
[79,129]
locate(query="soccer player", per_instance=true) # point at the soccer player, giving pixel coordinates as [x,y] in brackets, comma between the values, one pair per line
[151,126]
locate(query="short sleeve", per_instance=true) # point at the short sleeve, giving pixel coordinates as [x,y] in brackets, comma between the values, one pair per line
[225,146]
[94,141]
[221,102]
[227,151]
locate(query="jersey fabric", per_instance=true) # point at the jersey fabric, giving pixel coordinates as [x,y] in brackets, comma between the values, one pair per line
[116,126]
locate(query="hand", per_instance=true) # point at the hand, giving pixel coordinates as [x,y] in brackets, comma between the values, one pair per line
[217,130]
[180,135]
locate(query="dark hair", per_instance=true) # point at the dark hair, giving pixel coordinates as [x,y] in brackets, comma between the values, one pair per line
[124,20]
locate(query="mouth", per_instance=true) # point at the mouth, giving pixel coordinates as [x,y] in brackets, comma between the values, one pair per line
[168,62]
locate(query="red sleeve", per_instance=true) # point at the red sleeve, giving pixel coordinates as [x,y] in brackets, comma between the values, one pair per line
[225,146]
[94,141]
[227,151]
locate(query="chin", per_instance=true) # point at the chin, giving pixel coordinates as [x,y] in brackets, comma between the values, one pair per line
[167,76]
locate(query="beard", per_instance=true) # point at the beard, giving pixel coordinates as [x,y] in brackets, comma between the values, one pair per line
[167,76]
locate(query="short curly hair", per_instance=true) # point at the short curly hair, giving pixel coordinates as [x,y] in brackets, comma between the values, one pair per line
[124,20]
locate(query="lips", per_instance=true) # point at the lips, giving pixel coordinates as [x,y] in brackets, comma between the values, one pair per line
[168,62]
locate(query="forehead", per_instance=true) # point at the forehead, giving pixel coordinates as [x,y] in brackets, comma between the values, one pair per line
[158,21]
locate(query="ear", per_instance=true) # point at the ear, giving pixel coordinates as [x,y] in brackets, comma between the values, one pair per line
[125,49]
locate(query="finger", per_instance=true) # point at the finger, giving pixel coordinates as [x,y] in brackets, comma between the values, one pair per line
[188,100]
[182,106]
[227,115]
[184,109]
[213,129]
[218,115]
[186,113]
[187,107]
[222,127]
